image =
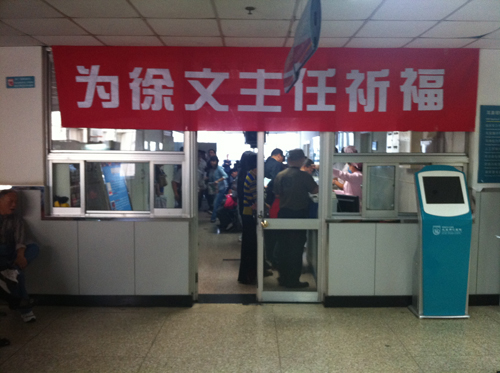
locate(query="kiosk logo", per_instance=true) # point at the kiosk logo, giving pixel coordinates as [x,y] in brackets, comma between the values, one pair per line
[445,230]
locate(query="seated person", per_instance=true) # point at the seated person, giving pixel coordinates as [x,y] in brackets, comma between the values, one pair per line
[15,254]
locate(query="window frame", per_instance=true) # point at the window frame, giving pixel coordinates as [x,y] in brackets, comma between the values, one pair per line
[152,158]
[396,159]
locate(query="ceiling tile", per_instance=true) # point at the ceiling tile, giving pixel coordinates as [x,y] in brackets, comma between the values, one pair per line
[17,41]
[332,42]
[493,35]
[27,9]
[378,42]
[114,26]
[255,42]
[174,8]
[264,9]
[459,29]
[179,41]
[382,29]
[346,9]
[185,27]
[255,28]
[439,43]
[136,41]
[485,44]
[338,29]
[7,30]
[425,10]
[69,40]
[46,26]
[478,10]
[94,8]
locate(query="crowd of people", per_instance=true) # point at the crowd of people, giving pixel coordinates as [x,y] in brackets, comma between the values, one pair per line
[287,196]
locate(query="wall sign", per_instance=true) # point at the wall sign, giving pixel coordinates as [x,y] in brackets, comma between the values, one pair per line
[20,82]
[240,89]
[489,145]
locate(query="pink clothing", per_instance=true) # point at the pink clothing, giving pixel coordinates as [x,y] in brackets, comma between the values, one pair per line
[352,182]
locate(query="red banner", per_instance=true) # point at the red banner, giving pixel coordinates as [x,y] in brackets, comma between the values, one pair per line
[184,88]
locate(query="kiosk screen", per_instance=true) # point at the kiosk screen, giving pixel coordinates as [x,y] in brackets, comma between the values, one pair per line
[443,189]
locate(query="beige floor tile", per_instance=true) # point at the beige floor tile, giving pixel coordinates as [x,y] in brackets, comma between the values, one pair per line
[458,364]
[215,364]
[440,343]
[374,364]
[302,364]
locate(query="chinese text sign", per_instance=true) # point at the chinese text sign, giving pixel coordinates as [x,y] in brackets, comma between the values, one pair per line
[184,88]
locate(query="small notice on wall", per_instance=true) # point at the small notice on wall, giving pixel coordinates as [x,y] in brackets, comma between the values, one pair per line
[489,145]
[20,81]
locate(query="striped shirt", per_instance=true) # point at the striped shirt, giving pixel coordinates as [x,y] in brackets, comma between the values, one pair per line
[249,193]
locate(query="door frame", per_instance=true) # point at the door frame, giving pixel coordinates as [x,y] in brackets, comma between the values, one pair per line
[319,224]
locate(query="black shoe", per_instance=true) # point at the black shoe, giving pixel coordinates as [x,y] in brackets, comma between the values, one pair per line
[268,273]
[299,284]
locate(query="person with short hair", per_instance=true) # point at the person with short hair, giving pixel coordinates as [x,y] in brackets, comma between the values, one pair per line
[293,186]
[274,164]
[15,253]
[308,166]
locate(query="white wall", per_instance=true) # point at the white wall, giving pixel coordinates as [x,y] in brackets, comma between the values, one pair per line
[22,118]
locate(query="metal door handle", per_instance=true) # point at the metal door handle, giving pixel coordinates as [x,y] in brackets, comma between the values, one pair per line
[264,223]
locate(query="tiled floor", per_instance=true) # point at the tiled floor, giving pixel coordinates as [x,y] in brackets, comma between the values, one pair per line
[252,338]
[218,263]
[246,338]
[218,260]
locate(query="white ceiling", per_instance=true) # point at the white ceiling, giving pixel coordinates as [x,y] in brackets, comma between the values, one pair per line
[346,23]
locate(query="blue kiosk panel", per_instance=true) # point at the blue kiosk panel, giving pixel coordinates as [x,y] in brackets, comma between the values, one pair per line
[442,262]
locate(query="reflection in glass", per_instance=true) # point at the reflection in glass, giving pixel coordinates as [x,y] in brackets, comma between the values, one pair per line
[167,186]
[66,184]
[381,194]
[290,268]
[114,186]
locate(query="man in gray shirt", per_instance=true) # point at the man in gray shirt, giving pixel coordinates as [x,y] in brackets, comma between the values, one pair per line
[293,187]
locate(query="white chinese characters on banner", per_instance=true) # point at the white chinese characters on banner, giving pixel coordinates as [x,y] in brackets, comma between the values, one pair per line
[357,95]
[260,92]
[157,92]
[154,91]
[91,77]
[428,96]
[320,90]
[206,94]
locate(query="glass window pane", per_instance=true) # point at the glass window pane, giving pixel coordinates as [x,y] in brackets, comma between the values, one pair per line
[292,259]
[99,139]
[381,195]
[117,186]
[347,187]
[402,142]
[167,186]
[66,184]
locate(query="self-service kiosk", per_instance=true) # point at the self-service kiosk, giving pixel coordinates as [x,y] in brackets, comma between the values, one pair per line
[441,272]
